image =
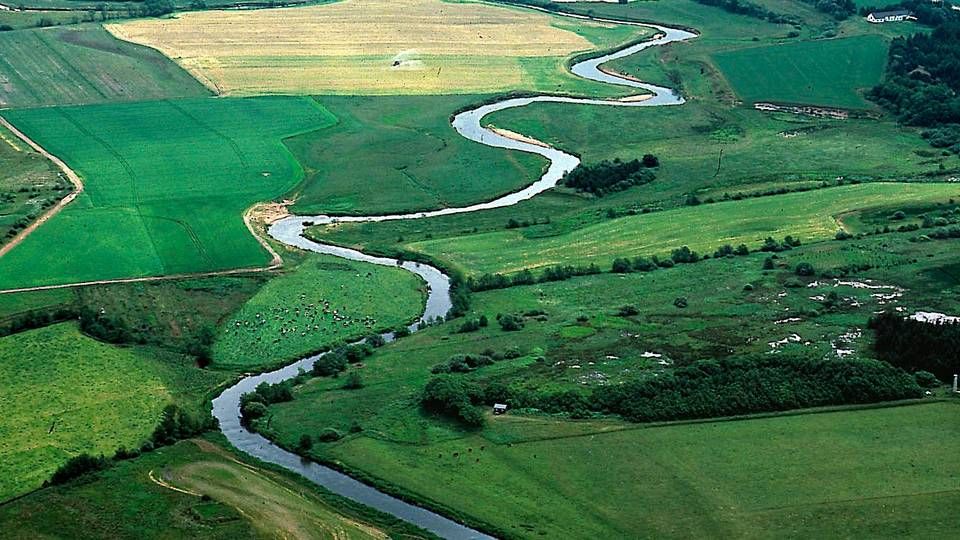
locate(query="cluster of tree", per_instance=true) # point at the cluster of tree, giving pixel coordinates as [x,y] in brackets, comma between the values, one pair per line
[750,9]
[838,9]
[455,397]
[922,83]
[916,345]
[335,361]
[612,176]
[254,404]
[726,387]
[178,424]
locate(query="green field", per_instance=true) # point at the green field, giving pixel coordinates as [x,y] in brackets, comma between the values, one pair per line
[413,159]
[323,301]
[810,216]
[85,64]
[831,73]
[166,184]
[243,500]
[66,393]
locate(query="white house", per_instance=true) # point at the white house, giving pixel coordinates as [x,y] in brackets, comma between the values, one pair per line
[890,16]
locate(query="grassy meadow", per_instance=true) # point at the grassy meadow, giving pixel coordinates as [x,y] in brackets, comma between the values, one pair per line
[65,393]
[377,47]
[810,216]
[413,158]
[831,73]
[84,64]
[246,500]
[166,184]
[323,301]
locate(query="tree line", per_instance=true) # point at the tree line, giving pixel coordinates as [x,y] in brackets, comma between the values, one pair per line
[703,389]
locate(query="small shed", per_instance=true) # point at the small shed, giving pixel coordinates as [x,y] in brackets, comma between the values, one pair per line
[499,408]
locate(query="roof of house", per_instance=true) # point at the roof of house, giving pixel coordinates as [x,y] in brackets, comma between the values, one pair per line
[885,14]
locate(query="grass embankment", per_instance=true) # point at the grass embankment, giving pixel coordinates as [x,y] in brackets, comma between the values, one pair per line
[85,64]
[245,501]
[323,301]
[65,393]
[166,184]
[412,159]
[832,73]
[379,47]
[809,216]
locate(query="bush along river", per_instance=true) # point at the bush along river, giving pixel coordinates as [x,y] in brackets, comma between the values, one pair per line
[226,407]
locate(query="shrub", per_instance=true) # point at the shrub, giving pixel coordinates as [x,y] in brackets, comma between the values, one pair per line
[926,379]
[305,443]
[804,269]
[680,302]
[329,435]
[510,322]
[354,381]
[628,311]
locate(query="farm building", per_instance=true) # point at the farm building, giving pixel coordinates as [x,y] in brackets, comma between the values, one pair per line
[499,408]
[891,16]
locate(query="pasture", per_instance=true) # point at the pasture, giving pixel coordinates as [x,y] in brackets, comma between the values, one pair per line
[321,302]
[413,159]
[247,501]
[29,184]
[64,394]
[166,185]
[376,47]
[799,476]
[810,216]
[85,64]
[832,73]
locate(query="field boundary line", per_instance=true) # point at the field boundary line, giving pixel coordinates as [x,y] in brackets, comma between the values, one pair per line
[55,209]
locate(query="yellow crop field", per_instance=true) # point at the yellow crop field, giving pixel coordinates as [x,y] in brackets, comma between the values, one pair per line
[374,47]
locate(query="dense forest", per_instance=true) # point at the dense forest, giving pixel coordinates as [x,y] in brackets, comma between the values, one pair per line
[916,345]
[923,78]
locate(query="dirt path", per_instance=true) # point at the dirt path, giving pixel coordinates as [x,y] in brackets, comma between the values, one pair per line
[72,176]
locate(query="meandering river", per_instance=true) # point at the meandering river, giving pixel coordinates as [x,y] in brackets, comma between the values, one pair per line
[226,407]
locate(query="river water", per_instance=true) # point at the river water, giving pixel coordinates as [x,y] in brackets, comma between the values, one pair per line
[226,407]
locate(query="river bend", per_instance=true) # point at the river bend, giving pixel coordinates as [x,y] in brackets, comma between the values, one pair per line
[226,407]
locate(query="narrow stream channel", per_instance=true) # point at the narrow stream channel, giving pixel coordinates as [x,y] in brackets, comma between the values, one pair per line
[226,407]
